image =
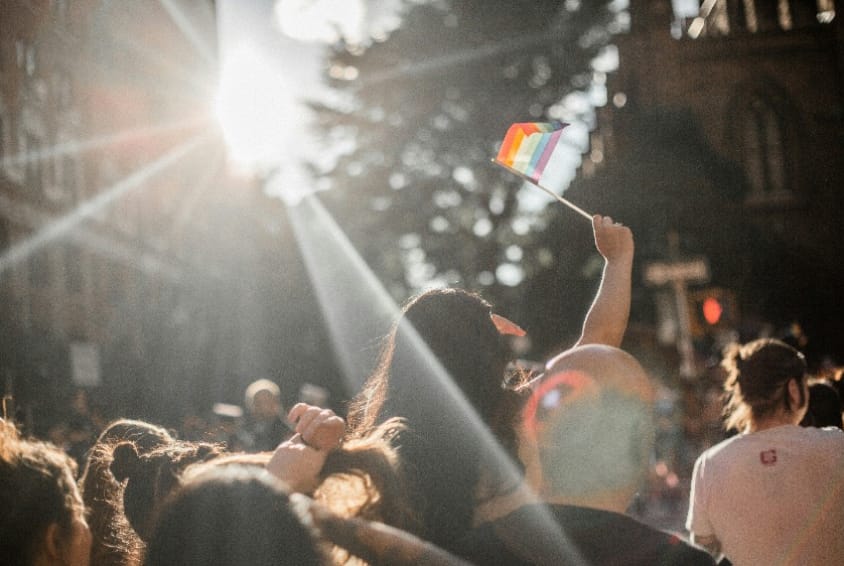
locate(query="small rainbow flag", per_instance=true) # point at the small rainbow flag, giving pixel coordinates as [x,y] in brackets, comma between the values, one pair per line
[528,146]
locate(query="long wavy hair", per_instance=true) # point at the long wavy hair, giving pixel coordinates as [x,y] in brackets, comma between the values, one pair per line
[442,455]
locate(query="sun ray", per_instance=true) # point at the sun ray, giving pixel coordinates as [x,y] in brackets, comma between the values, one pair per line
[62,225]
[77,146]
[189,30]
[191,199]
[459,58]
[356,306]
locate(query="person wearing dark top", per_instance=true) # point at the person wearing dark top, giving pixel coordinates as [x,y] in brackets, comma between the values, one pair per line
[587,439]
[601,538]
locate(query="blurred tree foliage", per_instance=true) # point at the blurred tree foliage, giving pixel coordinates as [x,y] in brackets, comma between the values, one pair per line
[417,117]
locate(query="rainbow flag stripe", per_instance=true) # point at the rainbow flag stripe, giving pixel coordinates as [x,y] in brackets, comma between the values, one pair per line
[528,146]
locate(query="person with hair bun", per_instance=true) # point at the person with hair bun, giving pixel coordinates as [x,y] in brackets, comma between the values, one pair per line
[774,493]
[150,477]
[114,541]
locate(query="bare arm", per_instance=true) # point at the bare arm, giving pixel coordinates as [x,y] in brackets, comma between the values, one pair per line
[377,543]
[606,321]
[710,543]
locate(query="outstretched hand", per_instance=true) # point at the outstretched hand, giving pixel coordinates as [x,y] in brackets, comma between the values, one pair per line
[613,240]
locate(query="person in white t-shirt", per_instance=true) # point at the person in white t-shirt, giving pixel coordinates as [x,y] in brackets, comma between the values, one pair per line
[774,493]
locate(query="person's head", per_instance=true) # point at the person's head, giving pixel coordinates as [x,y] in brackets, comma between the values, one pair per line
[114,541]
[360,478]
[458,329]
[442,451]
[149,478]
[263,399]
[765,378]
[231,515]
[42,518]
[590,416]
[824,406]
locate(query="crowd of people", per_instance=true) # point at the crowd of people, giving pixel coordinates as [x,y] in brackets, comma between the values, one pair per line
[450,454]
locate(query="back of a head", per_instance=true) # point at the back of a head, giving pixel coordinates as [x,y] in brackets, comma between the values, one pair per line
[824,406]
[37,489]
[591,417]
[757,373]
[229,516]
[114,541]
[457,328]
[150,477]
[97,482]
[441,450]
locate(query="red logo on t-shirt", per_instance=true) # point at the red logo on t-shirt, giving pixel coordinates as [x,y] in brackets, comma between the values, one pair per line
[768,457]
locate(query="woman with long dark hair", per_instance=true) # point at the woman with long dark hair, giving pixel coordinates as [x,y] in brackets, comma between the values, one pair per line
[444,371]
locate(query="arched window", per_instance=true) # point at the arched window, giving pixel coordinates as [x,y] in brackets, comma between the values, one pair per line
[763,149]
[760,133]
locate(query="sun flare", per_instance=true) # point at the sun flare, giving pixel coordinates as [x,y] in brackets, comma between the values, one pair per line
[254,109]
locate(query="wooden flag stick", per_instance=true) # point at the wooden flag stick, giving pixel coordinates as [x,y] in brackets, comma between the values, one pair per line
[568,203]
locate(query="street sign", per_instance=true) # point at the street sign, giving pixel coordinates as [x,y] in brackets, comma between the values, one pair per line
[689,271]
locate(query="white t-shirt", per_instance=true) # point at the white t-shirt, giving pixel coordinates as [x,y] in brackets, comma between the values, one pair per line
[773,497]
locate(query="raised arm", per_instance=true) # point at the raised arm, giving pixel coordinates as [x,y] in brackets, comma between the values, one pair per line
[606,321]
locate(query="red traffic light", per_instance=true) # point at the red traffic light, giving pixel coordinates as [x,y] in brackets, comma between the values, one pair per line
[712,310]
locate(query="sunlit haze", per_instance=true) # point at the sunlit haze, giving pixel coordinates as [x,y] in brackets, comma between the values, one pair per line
[256,114]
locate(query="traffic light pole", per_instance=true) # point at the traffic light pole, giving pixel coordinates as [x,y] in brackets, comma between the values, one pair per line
[684,330]
[679,273]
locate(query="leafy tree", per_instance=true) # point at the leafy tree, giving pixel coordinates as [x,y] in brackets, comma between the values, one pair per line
[420,115]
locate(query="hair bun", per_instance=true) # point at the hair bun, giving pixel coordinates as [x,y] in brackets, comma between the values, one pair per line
[125,462]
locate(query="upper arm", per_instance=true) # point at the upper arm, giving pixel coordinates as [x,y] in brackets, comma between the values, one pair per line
[697,521]
[710,543]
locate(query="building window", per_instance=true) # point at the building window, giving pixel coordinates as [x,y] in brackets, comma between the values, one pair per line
[39,269]
[69,174]
[63,90]
[763,151]
[20,53]
[60,11]
[73,278]
[31,152]
[64,172]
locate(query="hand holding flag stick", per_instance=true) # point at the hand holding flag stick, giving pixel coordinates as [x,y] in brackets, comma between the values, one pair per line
[525,152]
